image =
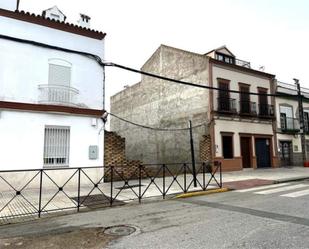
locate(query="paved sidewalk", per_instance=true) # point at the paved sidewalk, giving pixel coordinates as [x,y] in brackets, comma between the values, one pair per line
[274,174]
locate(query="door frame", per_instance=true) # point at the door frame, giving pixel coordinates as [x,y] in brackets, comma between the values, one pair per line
[291,149]
[250,149]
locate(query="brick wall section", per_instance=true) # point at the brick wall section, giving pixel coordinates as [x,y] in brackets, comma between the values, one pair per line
[115,156]
[205,148]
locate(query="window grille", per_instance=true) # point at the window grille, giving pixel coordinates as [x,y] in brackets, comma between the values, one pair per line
[56,146]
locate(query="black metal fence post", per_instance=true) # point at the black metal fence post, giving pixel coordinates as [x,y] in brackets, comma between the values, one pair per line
[163,168]
[40,194]
[192,155]
[185,177]
[112,172]
[203,166]
[78,191]
[220,165]
[140,183]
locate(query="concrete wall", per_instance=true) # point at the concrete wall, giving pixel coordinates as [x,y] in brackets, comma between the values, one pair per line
[158,103]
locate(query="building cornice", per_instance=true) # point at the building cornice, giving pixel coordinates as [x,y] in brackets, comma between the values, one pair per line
[47,22]
[19,106]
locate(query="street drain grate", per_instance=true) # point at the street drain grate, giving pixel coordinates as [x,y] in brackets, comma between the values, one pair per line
[120,230]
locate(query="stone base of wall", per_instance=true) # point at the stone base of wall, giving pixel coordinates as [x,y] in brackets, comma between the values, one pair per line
[233,164]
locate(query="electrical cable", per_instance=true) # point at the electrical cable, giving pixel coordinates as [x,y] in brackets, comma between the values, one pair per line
[153,128]
[193,84]
[103,64]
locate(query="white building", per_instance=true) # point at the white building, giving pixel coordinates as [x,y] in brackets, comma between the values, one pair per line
[51,100]
[288,126]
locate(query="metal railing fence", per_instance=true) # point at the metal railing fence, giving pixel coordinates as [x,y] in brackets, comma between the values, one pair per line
[29,194]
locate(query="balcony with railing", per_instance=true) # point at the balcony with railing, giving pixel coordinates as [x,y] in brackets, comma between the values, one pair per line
[266,111]
[226,105]
[57,94]
[242,63]
[247,108]
[289,125]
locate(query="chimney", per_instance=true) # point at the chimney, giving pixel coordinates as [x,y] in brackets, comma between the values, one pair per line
[11,5]
[84,21]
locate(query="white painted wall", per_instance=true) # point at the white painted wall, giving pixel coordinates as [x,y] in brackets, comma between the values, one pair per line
[39,33]
[24,67]
[8,4]
[22,139]
[296,140]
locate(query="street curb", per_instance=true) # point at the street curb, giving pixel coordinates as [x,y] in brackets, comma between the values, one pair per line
[199,193]
[292,179]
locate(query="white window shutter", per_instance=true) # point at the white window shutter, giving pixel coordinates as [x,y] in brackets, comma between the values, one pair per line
[59,75]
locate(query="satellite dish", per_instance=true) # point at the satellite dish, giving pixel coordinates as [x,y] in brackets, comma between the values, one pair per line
[262,68]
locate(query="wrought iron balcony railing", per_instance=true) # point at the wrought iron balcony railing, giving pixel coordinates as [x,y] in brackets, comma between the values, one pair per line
[226,105]
[289,124]
[266,110]
[56,94]
[247,108]
[242,63]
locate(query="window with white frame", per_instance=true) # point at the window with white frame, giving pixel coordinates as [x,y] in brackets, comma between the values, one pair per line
[56,146]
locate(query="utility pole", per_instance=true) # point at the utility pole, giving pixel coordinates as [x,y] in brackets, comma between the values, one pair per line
[301,120]
[192,155]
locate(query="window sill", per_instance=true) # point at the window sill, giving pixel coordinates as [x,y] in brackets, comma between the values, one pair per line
[55,166]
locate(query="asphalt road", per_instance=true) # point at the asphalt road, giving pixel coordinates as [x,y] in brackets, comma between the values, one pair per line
[267,217]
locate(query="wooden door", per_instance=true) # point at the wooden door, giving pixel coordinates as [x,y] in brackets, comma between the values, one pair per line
[245,146]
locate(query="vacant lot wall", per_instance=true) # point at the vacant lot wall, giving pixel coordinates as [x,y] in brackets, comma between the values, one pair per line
[163,104]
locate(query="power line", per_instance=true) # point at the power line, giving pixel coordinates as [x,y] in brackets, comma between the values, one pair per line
[154,128]
[111,64]
[193,84]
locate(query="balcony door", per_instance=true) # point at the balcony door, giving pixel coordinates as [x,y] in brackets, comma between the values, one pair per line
[244,100]
[263,103]
[286,117]
[224,95]
[59,75]
[306,121]
[59,79]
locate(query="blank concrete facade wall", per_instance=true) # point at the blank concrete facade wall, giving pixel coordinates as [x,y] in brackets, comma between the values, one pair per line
[157,103]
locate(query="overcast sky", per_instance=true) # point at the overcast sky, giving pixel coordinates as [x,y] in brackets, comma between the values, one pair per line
[270,33]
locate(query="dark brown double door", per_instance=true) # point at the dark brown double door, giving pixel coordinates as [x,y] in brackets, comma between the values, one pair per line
[245,146]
